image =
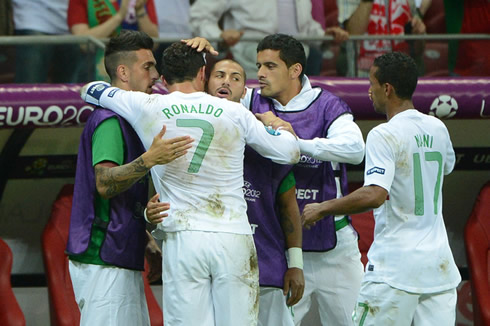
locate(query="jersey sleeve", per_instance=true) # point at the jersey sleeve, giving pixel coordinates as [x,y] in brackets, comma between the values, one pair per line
[108,142]
[343,143]
[129,105]
[287,183]
[450,156]
[280,146]
[380,161]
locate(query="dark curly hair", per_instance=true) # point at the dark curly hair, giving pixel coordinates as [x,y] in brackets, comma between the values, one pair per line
[399,70]
[181,63]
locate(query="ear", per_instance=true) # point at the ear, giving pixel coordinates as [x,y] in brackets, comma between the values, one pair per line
[202,71]
[389,90]
[164,82]
[295,70]
[244,92]
[122,73]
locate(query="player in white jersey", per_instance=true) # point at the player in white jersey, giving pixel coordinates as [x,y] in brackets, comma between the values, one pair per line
[411,277]
[210,274]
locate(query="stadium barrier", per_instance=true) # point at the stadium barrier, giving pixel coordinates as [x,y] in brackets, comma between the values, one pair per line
[60,105]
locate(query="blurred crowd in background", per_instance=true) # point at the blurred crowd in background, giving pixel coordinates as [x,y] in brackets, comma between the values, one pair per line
[235,26]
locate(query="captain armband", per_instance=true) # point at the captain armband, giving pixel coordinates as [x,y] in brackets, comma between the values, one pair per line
[295,258]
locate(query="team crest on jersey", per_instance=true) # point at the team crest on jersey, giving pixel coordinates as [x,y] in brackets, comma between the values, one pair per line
[375,170]
[272,131]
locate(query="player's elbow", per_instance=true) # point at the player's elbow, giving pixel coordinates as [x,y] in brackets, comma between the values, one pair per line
[375,196]
[358,152]
[296,155]
[103,191]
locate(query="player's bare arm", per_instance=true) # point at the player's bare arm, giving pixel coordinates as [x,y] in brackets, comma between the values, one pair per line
[112,179]
[294,281]
[153,255]
[362,200]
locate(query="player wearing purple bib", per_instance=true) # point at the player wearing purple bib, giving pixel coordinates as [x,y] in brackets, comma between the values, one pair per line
[328,137]
[272,211]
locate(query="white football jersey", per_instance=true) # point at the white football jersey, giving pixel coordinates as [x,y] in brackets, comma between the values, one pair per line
[409,156]
[203,187]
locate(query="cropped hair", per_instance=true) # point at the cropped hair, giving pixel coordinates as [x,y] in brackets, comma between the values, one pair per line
[399,70]
[121,49]
[291,51]
[181,63]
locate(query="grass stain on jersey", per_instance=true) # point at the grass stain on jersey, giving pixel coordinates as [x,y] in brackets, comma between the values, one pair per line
[444,266]
[215,206]
[252,276]
[181,217]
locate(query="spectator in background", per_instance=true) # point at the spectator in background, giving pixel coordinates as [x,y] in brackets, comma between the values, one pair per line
[369,17]
[173,23]
[103,19]
[473,55]
[40,63]
[6,23]
[256,19]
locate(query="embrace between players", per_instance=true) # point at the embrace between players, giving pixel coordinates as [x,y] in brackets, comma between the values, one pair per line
[217,174]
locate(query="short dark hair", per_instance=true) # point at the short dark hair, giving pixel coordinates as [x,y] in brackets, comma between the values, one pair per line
[399,70]
[291,51]
[120,49]
[180,63]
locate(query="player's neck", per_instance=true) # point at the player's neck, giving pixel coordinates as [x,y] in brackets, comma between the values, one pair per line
[398,106]
[186,87]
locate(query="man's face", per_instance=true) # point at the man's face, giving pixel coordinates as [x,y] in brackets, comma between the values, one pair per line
[274,77]
[376,92]
[142,74]
[227,80]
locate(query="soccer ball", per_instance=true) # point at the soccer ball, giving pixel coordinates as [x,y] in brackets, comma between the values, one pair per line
[443,107]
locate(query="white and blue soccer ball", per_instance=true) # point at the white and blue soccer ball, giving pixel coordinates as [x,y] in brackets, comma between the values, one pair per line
[444,107]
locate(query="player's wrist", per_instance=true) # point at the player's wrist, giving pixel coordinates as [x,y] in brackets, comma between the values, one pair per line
[295,255]
[148,163]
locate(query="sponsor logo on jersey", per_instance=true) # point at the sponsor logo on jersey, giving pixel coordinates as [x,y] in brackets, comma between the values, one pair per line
[111,93]
[253,227]
[375,170]
[308,161]
[306,193]
[249,192]
[97,90]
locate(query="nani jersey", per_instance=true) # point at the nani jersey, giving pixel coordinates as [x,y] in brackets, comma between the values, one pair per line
[203,187]
[409,156]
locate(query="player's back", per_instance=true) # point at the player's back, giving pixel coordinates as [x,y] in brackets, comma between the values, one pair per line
[204,186]
[409,224]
